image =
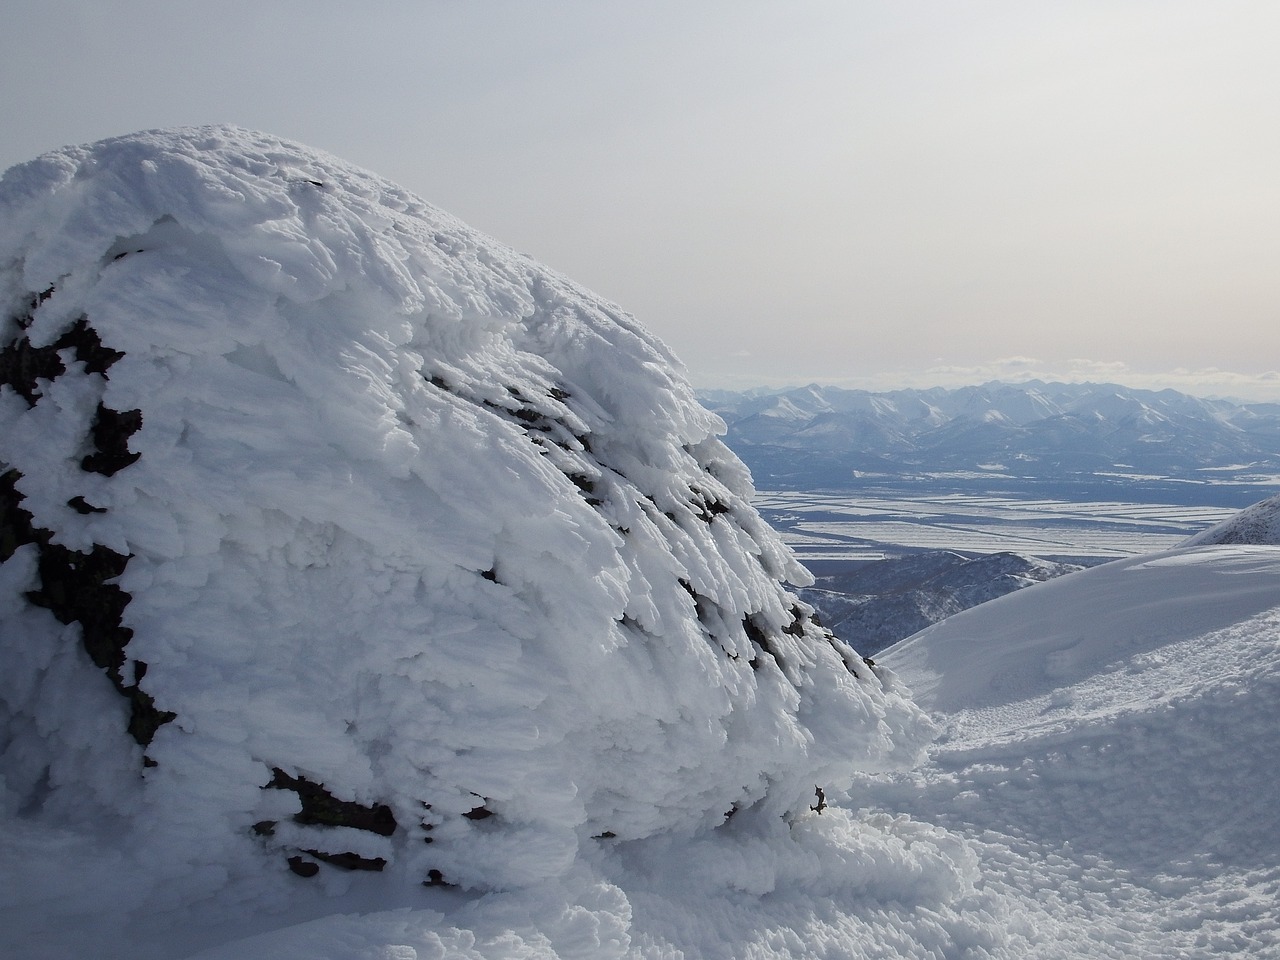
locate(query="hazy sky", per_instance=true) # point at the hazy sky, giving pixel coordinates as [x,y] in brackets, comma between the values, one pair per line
[880,193]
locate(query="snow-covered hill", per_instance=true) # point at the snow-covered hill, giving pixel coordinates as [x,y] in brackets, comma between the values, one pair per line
[1259,523]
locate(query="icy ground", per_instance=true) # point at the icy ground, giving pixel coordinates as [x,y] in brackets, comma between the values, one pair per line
[371,592]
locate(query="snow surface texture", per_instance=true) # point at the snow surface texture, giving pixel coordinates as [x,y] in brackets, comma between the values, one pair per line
[1259,523]
[340,540]
[395,517]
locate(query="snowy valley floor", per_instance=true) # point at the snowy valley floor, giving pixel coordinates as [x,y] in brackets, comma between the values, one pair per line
[1104,785]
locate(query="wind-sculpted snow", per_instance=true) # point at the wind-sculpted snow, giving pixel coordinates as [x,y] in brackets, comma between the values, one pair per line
[339,540]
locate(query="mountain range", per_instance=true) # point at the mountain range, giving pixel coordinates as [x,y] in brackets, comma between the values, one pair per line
[1000,433]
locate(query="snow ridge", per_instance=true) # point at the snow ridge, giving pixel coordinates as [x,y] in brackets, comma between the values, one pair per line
[400,553]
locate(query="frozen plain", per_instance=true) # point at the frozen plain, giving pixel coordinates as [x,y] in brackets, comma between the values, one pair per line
[834,525]
[1103,775]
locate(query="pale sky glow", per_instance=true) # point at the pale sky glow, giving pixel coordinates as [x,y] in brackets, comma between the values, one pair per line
[880,194]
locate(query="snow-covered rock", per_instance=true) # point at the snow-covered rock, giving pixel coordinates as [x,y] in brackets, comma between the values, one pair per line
[338,538]
[1258,524]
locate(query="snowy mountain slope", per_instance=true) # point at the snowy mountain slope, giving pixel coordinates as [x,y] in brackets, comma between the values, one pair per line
[343,547]
[873,604]
[1116,728]
[1027,644]
[1259,524]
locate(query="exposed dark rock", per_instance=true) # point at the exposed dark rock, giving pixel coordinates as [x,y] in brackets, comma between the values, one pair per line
[16,527]
[349,860]
[111,432]
[76,587]
[82,506]
[822,800]
[89,348]
[303,868]
[761,639]
[435,879]
[320,807]
[587,486]
[796,627]
[144,718]
[706,506]
[21,365]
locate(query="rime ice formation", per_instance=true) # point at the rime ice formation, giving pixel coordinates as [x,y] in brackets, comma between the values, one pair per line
[340,539]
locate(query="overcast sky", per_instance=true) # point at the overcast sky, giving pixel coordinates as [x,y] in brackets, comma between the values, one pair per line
[878,193]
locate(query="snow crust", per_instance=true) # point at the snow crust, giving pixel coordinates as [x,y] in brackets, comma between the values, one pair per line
[409,525]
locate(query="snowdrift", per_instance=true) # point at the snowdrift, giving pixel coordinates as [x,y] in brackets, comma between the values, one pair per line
[342,545]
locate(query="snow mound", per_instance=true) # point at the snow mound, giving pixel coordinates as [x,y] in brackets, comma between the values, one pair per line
[340,540]
[1258,524]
